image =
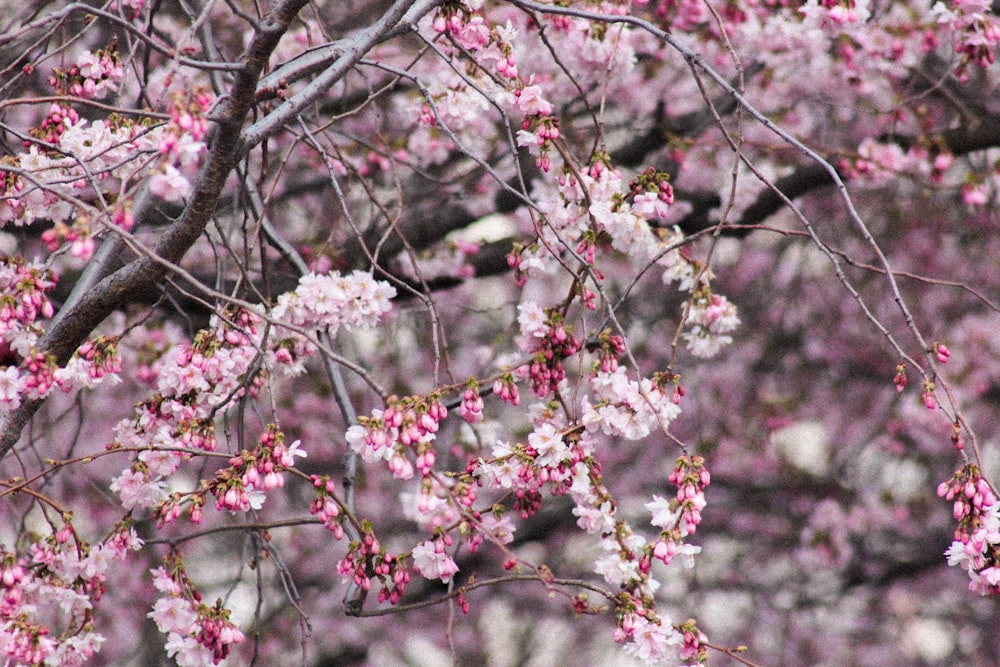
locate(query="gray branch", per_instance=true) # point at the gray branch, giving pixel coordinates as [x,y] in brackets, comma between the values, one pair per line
[348,52]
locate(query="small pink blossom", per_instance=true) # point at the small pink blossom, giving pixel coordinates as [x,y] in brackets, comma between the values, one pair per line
[431,561]
[11,386]
[475,34]
[500,529]
[137,490]
[173,614]
[169,184]
[974,194]
[665,512]
[531,102]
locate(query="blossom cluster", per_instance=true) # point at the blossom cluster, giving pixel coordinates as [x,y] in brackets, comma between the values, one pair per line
[75,164]
[552,456]
[834,15]
[550,342]
[620,406]
[58,119]
[23,300]
[405,428]
[652,638]
[93,76]
[94,362]
[324,505]
[432,561]
[366,558]
[181,143]
[251,474]
[589,203]
[878,162]
[77,169]
[977,28]
[651,194]
[563,459]
[198,635]
[679,517]
[60,186]
[26,373]
[458,102]
[329,301]
[441,502]
[47,596]
[242,485]
[627,556]
[196,382]
[594,205]
[711,318]
[976,548]
[475,34]
[548,457]
[472,403]
[627,223]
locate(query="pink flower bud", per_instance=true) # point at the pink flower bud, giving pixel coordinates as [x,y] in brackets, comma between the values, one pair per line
[899,380]
[941,352]
[930,401]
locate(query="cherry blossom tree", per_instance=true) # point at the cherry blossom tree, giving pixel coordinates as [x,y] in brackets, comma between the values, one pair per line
[502,332]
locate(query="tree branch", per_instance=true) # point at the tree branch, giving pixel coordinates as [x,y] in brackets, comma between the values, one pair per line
[402,13]
[89,309]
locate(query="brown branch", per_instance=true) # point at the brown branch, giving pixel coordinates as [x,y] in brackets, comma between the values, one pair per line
[71,328]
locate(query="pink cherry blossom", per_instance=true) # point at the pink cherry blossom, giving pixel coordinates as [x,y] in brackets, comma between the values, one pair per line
[431,561]
[618,244]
